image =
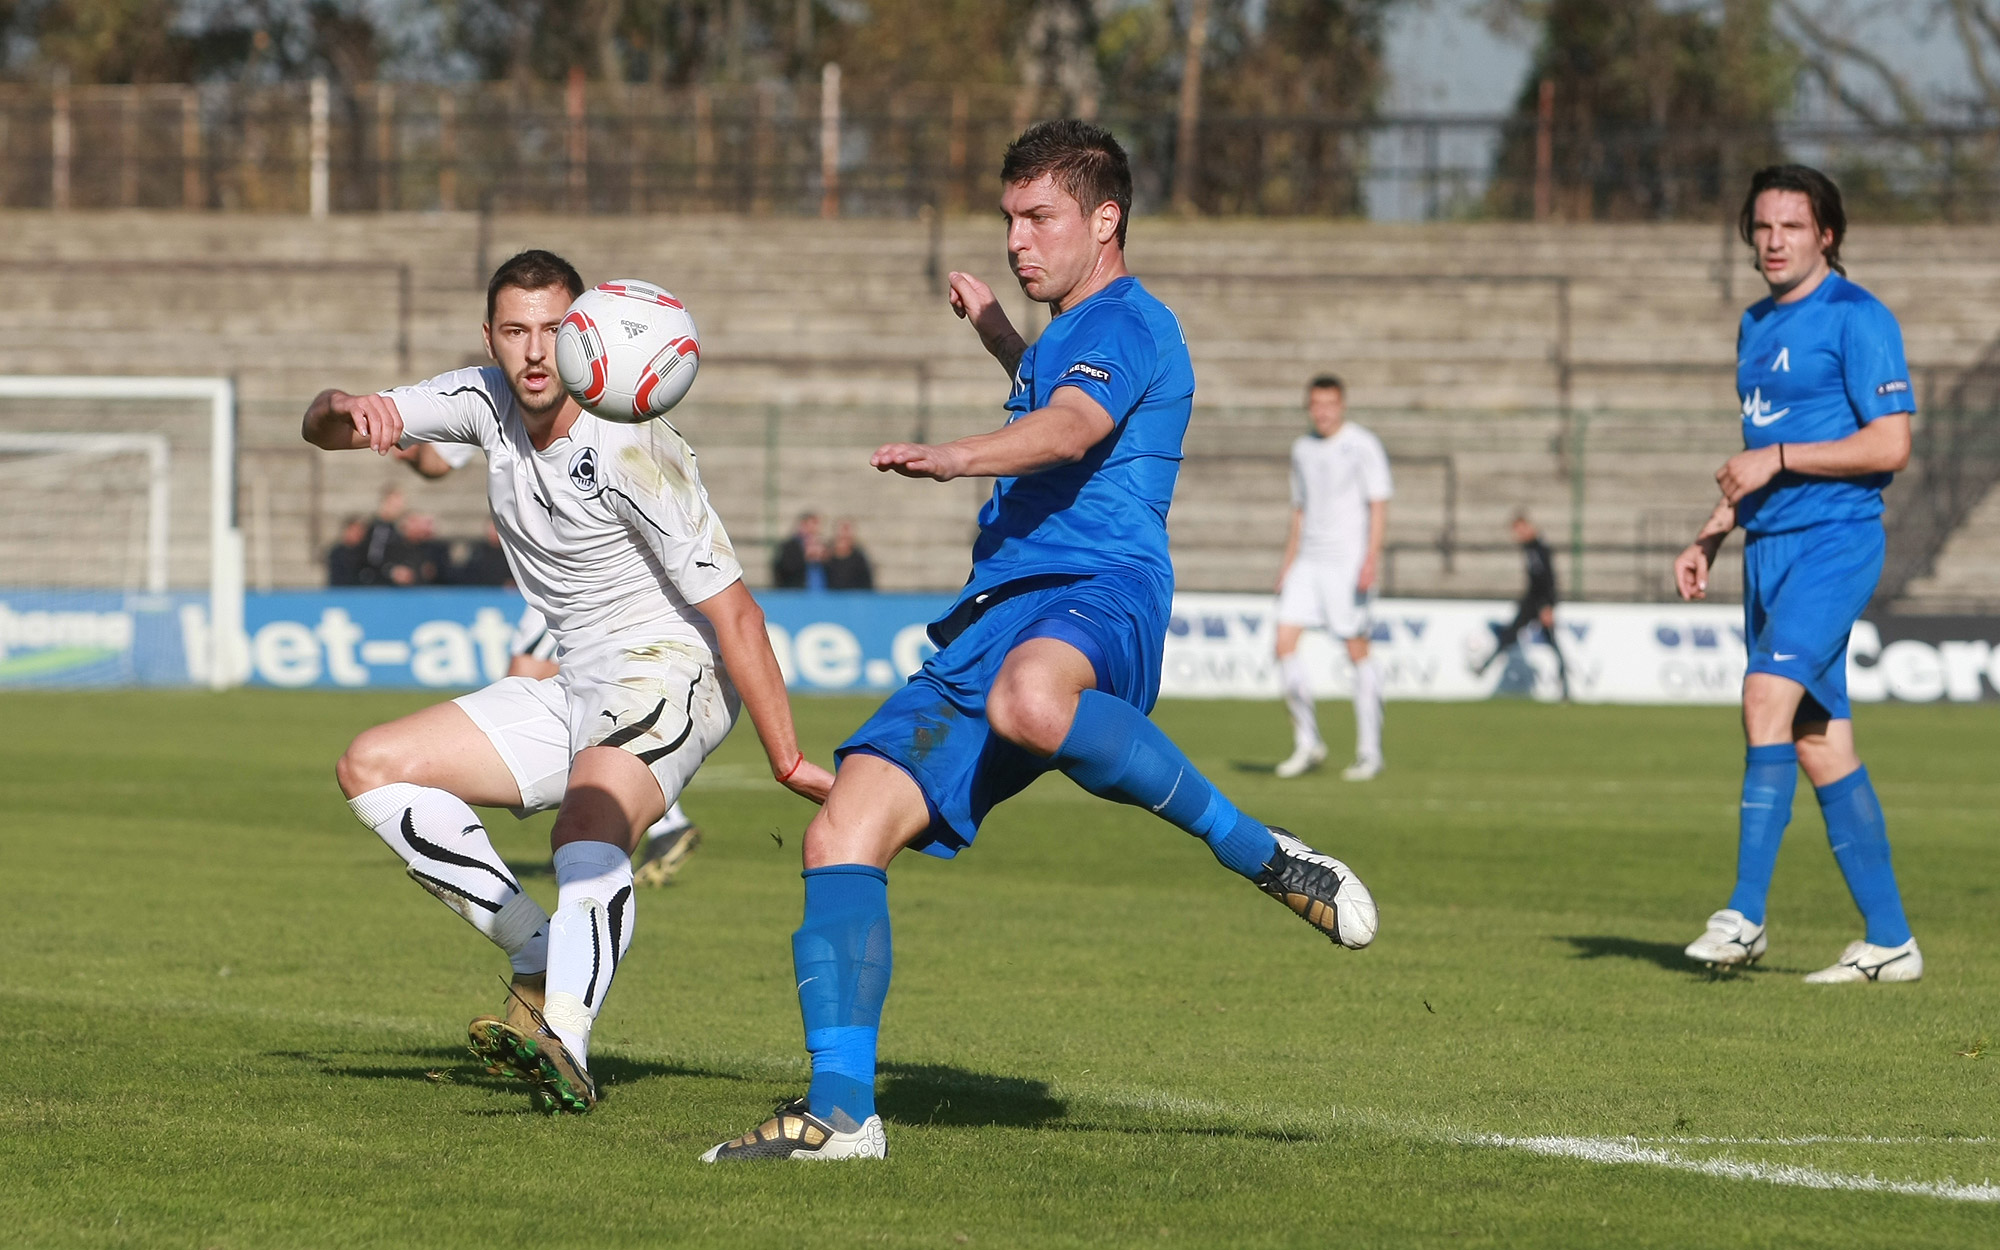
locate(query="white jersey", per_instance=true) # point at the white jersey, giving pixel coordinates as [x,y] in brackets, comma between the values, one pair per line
[608,531]
[457,455]
[1333,482]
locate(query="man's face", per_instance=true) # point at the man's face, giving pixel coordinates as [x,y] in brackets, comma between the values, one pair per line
[1327,406]
[392,506]
[521,339]
[1523,531]
[1790,246]
[1053,245]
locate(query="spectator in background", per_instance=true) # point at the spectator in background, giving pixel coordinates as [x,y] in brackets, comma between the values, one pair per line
[385,558]
[485,564]
[343,562]
[847,565]
[428,556]
[800,561]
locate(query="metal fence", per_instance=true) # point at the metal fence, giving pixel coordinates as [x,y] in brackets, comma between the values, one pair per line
[799,149]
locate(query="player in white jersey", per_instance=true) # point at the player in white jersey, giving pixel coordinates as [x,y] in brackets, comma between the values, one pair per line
[1340,512]
[610,536]
[533,652]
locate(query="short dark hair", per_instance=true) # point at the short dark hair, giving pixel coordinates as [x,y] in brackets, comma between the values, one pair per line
[1326,382]
[531,271]
[1084,160]
[1820,192]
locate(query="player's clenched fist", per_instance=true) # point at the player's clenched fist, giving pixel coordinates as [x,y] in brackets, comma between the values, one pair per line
[374,419]
[1691,572]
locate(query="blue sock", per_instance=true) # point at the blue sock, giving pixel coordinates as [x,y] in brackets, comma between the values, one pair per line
[842,957]
[1114,752]
[1860,840]
[1770,777]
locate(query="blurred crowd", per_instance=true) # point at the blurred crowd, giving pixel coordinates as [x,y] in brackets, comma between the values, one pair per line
[806,561]
[398,547]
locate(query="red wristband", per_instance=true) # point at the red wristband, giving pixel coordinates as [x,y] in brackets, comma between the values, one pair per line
[794,768]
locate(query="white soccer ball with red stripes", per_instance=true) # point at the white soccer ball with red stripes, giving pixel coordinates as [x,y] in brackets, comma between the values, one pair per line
[627,351]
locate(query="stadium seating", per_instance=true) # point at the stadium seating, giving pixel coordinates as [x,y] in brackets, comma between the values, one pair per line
[1503,365]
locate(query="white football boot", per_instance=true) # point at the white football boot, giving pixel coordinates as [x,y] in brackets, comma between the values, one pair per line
[793,1132]
[1321,890]
[1864,961]
[1302,760]
[1362,770]
[1729,941]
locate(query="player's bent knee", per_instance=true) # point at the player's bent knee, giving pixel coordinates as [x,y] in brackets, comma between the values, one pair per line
[1034,720]
[370,762]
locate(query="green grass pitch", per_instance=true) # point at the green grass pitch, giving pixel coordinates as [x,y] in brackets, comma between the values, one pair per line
[229,1021]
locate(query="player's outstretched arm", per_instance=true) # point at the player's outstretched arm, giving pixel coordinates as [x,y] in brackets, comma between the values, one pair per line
[1692,565]
[337,421]
[753,670]
[975,302]
[1062,433]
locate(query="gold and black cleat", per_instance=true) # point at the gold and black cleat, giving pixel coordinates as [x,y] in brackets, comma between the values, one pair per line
[661,859]
[793,1132]
[1324,892]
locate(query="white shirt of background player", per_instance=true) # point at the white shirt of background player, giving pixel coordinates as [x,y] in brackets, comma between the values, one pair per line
[1340,515]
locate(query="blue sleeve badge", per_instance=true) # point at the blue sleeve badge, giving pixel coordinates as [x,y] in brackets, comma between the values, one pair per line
[1896,387]
[1088,371]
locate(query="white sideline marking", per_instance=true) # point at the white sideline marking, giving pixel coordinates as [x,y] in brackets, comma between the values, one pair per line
[1629,1150]
[1647,1151]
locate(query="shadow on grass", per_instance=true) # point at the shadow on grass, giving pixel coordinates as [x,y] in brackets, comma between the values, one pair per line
[533,869]
[936,1093]
[1265,767]
[932,1094]
[445,1065]
[1665,955]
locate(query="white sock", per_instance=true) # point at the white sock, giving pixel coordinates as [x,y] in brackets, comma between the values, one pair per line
[1299,701]
[447,852]
[1367,711]
[588,935]
[673,822]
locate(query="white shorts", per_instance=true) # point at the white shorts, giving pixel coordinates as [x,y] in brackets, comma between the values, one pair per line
[1324,596]
[658,701]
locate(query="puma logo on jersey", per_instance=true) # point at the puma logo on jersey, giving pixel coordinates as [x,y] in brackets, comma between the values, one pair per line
[1757,410]
[1783,364]
[546,505]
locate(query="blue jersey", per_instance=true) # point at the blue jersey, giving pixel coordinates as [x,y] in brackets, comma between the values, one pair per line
[1107,513]
[1811,372]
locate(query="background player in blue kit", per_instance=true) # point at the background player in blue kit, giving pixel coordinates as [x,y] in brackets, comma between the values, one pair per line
[1826,421]
[1051,655]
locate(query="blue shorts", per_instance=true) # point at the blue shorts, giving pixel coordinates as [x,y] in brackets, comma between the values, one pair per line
[935,727]
[1802,592]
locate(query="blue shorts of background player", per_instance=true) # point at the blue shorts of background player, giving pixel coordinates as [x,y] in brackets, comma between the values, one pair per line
[935,727]
[1803,590]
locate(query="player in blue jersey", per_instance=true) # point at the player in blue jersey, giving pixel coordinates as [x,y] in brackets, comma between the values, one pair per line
[1050,658]
[1826,421]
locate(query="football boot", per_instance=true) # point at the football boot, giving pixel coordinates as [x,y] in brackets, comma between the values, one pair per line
[1323,891]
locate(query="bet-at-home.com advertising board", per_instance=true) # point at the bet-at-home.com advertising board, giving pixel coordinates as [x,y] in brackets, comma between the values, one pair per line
[1218,646]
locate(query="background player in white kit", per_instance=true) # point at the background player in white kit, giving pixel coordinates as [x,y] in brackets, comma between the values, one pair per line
[610,536]
[533,652]
[1340,512]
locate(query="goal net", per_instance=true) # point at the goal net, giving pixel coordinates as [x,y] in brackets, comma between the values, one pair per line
[120,559]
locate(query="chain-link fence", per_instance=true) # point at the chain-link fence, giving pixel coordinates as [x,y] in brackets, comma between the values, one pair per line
[795,149]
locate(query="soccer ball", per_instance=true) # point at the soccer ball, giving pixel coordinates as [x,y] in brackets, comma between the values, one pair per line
[627,351]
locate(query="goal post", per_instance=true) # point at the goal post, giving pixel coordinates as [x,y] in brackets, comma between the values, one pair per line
[43,429]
